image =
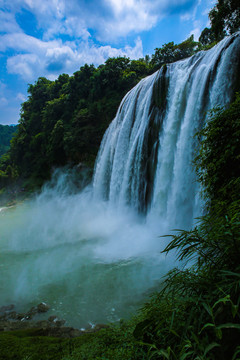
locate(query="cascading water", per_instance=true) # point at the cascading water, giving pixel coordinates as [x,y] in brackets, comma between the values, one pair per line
[145,160]
[92,256]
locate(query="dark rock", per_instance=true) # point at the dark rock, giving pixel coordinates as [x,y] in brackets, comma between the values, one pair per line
[60,323]
[20,316]
[42,307]
[44,324]
[12,315]
[11,320]
[3,309]
[52,318]
[3,317]
[98,327]
[33,311]
[95,328]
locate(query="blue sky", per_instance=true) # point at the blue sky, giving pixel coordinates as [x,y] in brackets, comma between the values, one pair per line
[50,37]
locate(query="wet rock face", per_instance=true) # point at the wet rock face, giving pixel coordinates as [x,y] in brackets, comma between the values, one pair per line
[42,307]
[10,320]
[7,308]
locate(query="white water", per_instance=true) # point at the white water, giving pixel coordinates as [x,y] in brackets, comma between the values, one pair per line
[94,256]
[149,142]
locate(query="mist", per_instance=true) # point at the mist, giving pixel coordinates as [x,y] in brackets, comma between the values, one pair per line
[91,262]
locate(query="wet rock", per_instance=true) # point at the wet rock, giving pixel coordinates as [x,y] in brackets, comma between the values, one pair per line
[55,321]
[52,318]
[42,307]
[60,323]
[44,324]
[98,327]
[4,309]
[11,320]
[33,311]
[95,328]
[12,315]
[3,317]
[20,316]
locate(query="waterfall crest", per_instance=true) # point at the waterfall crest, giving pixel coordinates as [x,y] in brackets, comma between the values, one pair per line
[145,159]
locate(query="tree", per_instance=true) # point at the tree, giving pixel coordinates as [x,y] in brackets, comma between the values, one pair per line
[170,52]
[207,37]
[218,162]
[225,18]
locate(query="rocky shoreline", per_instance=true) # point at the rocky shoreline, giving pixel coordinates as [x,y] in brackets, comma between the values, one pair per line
[10,320]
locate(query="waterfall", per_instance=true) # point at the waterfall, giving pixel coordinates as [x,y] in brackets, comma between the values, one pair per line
[145,159]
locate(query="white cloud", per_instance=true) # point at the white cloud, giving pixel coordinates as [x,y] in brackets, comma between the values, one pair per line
[24,65]
[51,55]
[21,97]
[191,15]
[8,22]
[128,16]
[3,101]
[109,19]
[49,58]
[196,32]
[200,14]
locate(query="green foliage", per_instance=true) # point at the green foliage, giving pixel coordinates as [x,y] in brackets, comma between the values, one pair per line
[6,134]
[114,343]
[170,52]
[207,37]
[218,162]
[225,18]
[196,314]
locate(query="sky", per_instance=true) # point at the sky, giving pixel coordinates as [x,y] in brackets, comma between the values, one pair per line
[51,37]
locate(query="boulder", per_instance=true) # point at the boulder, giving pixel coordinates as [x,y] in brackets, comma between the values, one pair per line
[42,307]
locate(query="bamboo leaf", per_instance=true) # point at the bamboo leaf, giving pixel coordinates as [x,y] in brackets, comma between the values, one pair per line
[174,332]
[222,300]
[228,326]
[206,326]
[234,310]
[210,347]
[236,353]
[208,309]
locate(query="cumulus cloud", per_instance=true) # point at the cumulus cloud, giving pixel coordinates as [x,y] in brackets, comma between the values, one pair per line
[108,19]
[3,101]
[63,40]
[8,22]
[49,58]
[21,97]
[196,32]
[193,15]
